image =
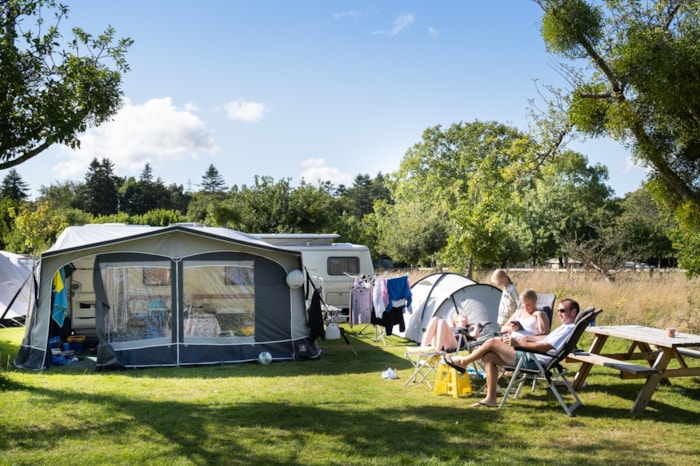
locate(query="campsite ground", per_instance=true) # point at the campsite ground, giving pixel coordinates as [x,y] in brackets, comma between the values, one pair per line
[338,410]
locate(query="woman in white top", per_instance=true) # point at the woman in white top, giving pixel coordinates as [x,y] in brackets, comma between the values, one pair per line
[509,297]
[528,320]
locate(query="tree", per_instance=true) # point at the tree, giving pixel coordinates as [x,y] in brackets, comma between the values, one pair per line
[467,174]
[411,232]
[36,226]
[640,85]
[562,203]
[364,192]
[50,93]
[62,195]
[139,197]
[14,187]
[99,193]
[645,229]
[277,207]
[212,181]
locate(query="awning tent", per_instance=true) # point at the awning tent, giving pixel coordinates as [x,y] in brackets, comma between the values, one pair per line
[15,287]
[170,296]
[443,294]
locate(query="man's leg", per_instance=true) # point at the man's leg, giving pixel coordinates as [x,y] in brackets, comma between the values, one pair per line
[491,364]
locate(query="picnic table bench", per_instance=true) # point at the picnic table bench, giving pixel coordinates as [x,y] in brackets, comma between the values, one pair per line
[628,370]
[647,344]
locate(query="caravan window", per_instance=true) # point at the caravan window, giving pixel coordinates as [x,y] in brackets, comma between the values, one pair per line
[343,265]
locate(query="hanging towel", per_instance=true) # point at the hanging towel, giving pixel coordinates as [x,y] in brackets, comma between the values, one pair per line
[380,298]
[60,298]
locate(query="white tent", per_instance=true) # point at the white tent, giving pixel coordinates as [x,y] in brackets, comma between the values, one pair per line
[444,294]
[169,296]
[15,284]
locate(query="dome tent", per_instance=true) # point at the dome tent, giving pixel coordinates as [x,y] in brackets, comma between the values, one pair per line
[15,287]
[443,294]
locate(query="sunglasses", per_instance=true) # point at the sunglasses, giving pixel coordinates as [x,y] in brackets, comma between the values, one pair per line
[561,310]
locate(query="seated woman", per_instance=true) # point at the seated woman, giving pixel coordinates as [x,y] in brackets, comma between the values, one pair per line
[441,337]
[527,320]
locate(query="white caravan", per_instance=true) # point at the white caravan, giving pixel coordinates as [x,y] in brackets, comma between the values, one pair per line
[332,266]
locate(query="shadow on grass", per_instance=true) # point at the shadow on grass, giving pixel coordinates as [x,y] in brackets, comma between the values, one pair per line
[277,433]
[261,432]
[361,355]
[607,397]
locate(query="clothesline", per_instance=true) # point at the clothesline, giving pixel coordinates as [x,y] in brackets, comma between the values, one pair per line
[380,301]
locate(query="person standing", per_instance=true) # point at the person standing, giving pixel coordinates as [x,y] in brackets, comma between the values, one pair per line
[509,297]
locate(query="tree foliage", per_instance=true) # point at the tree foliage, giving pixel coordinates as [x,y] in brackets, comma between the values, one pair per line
[50,91]
[639,84]
[100,194]
[14,187]
[137,197]
[564,200]
[465,173]
[276,207]
[212,181]
[411,232]
[36,228]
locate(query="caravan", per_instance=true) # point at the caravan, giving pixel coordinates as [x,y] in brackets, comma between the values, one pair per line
[332,266]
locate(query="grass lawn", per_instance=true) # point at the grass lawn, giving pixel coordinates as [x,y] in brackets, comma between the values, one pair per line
[336,410]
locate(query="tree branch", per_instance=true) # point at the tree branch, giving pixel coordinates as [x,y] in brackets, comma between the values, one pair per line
[36,151]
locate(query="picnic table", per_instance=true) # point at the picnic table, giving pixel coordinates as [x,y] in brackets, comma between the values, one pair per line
[650,346]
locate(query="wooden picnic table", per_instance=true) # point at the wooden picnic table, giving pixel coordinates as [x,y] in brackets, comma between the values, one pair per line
[651,346]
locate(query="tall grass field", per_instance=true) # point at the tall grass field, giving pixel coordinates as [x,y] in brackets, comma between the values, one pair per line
[338,410]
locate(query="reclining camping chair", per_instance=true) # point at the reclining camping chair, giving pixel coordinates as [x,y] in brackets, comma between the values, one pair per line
[545,301]
[553,370]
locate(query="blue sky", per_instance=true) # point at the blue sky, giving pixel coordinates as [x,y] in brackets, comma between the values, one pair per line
[309,89]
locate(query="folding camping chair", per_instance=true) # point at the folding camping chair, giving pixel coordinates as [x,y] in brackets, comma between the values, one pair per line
[553,371]
[425,360]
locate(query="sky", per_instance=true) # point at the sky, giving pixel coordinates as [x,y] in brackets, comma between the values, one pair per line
[308,89]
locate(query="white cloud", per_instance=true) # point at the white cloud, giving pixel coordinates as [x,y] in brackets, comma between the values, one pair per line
[154,132]
[399,24]
[432,32]
[191,107]
[349,14]
[245,111]
[316,169]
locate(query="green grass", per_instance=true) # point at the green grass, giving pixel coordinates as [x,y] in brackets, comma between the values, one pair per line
[336,410]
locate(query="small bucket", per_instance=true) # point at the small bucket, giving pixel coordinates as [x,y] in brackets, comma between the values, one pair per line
[332,331]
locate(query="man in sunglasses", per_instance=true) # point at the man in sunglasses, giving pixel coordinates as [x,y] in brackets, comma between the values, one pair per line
[506,351]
